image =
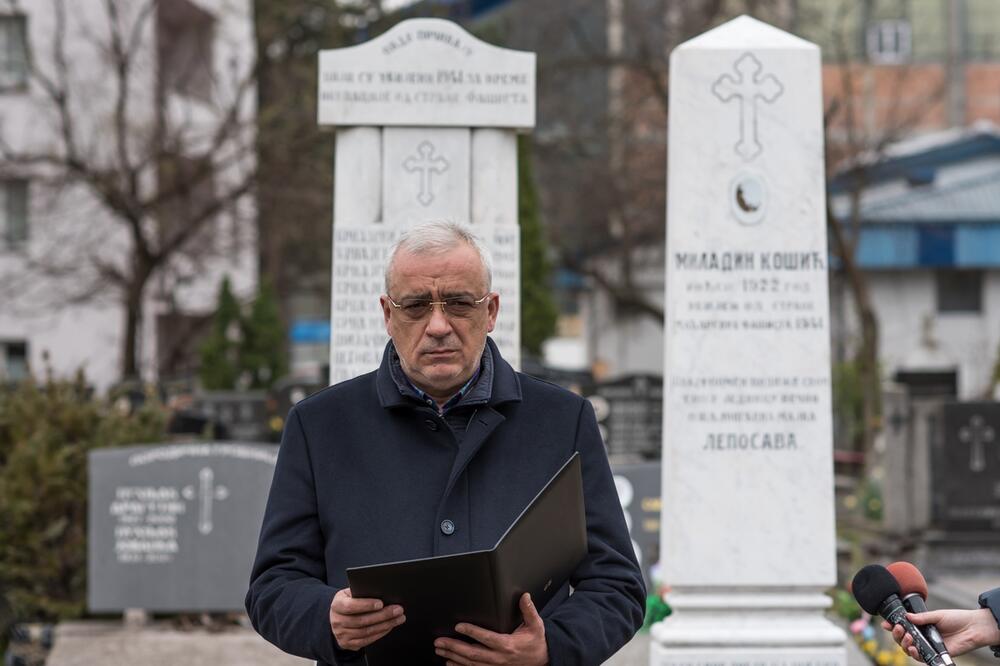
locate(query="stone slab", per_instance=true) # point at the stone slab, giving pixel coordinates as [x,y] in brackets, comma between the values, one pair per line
[175,527]
[747,656]
[747,456]
[426,174]
[638,488]
[358,176]
[965,464]
[634,422]
[494,177]
[427,72]
[110,643]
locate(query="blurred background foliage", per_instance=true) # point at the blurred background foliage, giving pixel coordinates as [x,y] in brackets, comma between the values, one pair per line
[46,431]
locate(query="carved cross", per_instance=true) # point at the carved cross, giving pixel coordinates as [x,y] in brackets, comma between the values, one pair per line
[207,493]
[747,87]
[977,434]
[426,163]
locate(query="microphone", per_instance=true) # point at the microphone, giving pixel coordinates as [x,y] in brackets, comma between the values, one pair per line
[913,588]
[878,593]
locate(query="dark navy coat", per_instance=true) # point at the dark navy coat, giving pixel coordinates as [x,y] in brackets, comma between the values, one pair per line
[365,475]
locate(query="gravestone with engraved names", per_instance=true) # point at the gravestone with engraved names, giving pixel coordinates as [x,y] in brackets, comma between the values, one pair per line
[174,527]
[965,468]
[747,539]
[426,117]
[941,487]
[964,538]
[634,421]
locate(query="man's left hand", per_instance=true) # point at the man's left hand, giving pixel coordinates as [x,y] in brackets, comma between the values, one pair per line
[525,647]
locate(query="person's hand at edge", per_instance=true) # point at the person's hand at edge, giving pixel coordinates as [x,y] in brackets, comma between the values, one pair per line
[962,630]
[525,647]
[357,623]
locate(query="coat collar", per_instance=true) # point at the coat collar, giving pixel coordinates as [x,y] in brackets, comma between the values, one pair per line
[506,385]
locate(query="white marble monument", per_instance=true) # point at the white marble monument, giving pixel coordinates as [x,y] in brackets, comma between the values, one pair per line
[426,117]
[747,537]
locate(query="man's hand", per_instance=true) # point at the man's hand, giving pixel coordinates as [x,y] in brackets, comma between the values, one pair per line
[962,630]
[357,623]
[525,647]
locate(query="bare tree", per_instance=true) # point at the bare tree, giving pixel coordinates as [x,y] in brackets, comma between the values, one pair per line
[601,142]
[149,151]
[856,146]
[295,153]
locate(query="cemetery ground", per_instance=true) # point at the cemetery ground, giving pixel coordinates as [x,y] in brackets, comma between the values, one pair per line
[87,643]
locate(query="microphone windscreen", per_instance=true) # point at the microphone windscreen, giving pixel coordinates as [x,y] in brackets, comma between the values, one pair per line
[909,578]
[873,585]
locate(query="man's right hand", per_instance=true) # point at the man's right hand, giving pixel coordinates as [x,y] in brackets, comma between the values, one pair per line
[357,623]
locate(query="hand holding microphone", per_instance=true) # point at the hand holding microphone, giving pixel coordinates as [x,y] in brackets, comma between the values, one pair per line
[879,594]
[931,637]
[962,630]
[913,590]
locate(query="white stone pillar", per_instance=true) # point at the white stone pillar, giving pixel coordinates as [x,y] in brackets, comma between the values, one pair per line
[747,525]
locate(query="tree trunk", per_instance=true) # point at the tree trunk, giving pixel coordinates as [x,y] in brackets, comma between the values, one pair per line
[868,364]
[133,325]
[868,355]
[135,290]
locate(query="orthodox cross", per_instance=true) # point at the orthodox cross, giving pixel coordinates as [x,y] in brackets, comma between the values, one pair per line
[977,434]
[747,87]
[426,163]
[207,493]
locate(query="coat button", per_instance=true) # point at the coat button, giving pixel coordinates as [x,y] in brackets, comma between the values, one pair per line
[447,526]
[431,424]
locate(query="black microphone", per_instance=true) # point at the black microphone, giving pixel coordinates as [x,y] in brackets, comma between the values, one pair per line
[913,589]
[878,593]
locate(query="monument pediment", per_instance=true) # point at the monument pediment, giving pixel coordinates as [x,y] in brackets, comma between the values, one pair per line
[427,72]
[746,32]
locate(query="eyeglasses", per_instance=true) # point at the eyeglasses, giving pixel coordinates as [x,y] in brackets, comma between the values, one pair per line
[459,307]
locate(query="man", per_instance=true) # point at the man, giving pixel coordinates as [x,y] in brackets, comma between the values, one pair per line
[962,630]
[435,453]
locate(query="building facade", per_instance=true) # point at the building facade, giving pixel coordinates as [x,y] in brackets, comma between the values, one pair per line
[929,247]
[126,168]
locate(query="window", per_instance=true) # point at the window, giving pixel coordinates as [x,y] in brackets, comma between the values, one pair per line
[13,360]
[959,292]
[185,34]
[13,213]
[13,52]
[889,42]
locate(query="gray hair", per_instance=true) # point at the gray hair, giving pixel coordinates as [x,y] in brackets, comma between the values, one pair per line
[438,237]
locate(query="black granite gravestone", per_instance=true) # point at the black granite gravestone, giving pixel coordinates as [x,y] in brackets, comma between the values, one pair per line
[242,415]
[964,535]
[634,421]
[639,492]
[175,527]
[966,468]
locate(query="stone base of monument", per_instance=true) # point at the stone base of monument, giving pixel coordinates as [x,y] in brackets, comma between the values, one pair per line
[748,629]
[85,643]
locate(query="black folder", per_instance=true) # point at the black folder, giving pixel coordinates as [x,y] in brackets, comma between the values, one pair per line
[536,554]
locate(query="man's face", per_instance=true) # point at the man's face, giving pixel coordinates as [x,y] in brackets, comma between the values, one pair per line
[439,352]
